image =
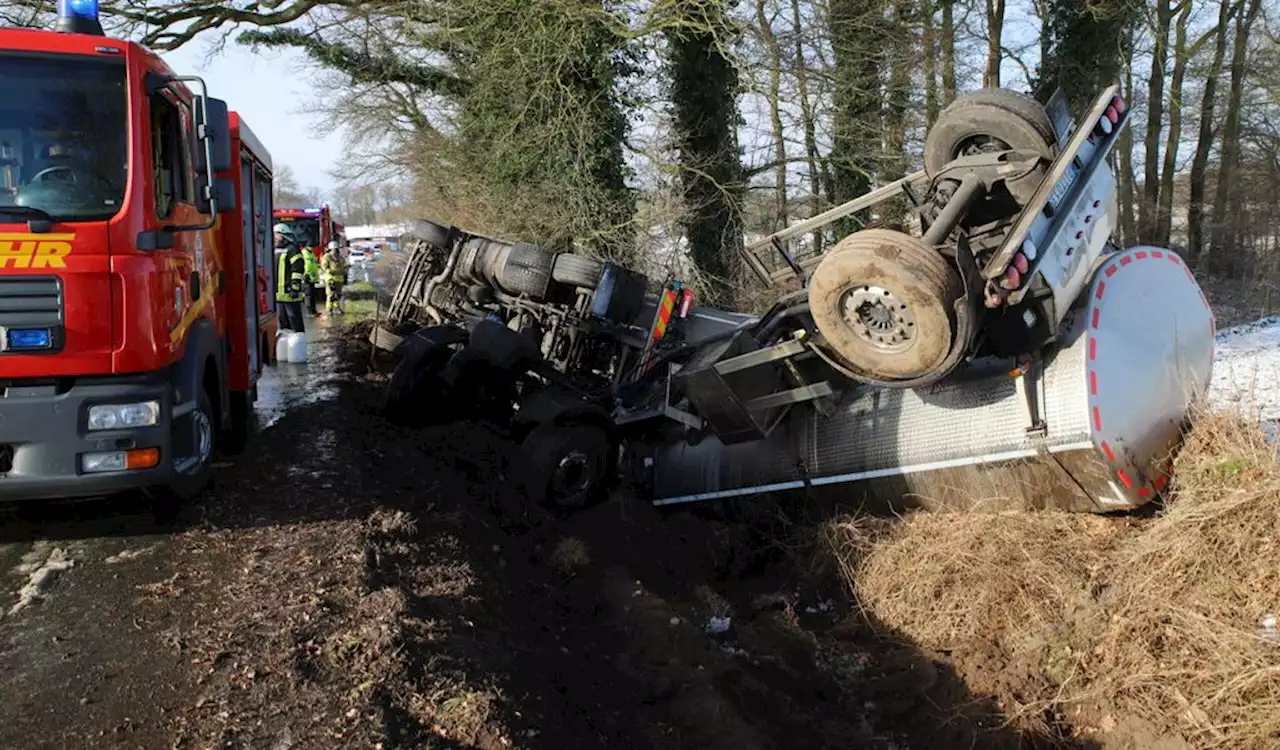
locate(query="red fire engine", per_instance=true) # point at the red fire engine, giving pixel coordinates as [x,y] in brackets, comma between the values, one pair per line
[312,227]
[135,247]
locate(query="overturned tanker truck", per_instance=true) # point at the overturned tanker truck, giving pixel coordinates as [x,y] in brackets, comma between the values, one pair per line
[1010,354]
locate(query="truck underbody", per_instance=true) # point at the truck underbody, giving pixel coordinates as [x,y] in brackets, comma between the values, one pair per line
[1065,381]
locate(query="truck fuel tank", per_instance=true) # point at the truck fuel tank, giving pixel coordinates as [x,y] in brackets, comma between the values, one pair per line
[1091,427]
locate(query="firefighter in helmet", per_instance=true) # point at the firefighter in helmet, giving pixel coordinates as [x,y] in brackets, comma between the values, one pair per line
[291,269]
[333,271]
[311,280]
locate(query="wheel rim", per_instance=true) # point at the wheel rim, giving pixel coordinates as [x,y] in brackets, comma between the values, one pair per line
[979,144]
[879,318]
[201,441]
[573,476]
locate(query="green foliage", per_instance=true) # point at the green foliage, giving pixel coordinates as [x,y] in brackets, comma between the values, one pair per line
[541,122]
[1086,45]
[857,31]
[362,66]
[704,88]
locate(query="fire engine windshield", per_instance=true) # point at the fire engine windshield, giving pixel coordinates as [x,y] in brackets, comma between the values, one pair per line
[63,145]
[306,232]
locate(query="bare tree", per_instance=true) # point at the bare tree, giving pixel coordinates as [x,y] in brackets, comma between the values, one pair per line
[995,32]
[1227,9]
[1221,257]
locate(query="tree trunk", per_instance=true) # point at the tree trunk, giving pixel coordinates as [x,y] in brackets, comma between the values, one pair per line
[995,30]
[1046,36]
[813,159]
[930,51]
[1182,54]
[1222,252]
[1200,162]
[1155,119]
[1124,157]
[704,94]
[856,39]
[774,52]
[1086,46]
[898,101]
[948,44]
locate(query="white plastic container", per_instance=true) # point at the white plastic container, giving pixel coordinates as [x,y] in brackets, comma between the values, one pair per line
[282,346]
[297,347]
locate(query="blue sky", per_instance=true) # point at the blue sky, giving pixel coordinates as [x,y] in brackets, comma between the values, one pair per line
[269,89]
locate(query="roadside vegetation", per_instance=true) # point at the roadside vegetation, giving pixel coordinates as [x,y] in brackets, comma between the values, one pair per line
[1139,627]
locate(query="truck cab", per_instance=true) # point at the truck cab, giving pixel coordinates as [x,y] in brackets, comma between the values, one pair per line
[119,284]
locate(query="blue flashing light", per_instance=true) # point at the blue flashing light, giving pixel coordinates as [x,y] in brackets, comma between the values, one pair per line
[81,8]
[313,211]
[79,17]
[30,338]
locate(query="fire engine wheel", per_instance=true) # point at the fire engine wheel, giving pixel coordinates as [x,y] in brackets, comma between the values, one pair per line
[565,466]
[430,232]
[195,435]
[576,270]
[988,120]
[883,302]
[232,441]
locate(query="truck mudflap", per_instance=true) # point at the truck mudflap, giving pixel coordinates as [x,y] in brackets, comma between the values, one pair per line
[1092,426]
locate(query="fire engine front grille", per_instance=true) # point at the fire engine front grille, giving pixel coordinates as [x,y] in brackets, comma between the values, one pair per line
[31,302]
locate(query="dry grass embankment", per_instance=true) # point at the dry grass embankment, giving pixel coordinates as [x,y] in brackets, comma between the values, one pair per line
[1103,622]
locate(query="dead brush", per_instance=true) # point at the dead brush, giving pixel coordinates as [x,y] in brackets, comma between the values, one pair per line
[1157,619]
[1183,644]
[948,578]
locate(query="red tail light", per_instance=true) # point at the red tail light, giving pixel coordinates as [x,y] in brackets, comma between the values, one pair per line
[1012,279]
[686,302]
[1113,115]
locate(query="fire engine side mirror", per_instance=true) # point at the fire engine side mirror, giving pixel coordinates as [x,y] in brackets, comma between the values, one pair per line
[218,132]
[224,192]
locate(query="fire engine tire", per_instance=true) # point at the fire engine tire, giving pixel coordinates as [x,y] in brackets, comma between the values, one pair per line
[565,466]
[526,269]
[988,119]
[232,440]
[430,232]
[577,270]
[187,485]
[884,303]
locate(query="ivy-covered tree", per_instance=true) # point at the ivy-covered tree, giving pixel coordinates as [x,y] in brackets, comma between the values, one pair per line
[1087,41]
[704,88]
[857,32]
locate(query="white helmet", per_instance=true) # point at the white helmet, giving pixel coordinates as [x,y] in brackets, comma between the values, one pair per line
[333,244]
[282,228]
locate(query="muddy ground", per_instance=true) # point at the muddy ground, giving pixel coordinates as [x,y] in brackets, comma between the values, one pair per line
[349,584]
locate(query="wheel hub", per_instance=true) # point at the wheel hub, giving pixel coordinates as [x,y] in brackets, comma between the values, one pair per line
[572,475]
[880,318]
[202,431]
[980,144]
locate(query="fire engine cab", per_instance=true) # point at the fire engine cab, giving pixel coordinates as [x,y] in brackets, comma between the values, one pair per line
[311,227]
[135,242]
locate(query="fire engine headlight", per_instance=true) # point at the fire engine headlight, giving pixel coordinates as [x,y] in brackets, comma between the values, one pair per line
[123,416]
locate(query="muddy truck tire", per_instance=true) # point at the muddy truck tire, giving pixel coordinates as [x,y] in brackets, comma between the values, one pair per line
[565,466]
[883,302]
[430,233]
[988,120]
[576,270]
[415,394]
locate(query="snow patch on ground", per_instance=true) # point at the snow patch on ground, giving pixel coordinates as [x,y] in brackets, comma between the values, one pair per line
[41,579]
[1246,370]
